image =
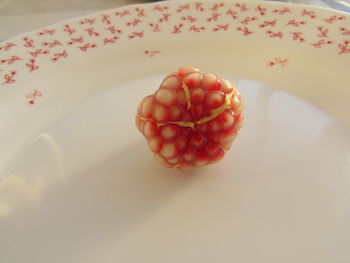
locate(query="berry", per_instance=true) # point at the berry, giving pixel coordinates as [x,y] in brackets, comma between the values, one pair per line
[192,119]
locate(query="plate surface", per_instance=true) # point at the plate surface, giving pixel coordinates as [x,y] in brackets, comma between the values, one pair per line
[78,184]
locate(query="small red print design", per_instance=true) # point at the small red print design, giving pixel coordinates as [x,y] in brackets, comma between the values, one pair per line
[8,46]
[51,44]
[245,30]
[323,32]
[140,12]
[136,34]
[38,52]
[59,55]
[247,20]
[28,42]
[232,13]
[344,47]
[135,22]
[345,32]
[199,7]
[74,40]
[332,19]
[183,7]
[91,31]
[213,17]
[106,19]
[87,46]
[68,29]
[9,78]
[295,23]
[165,18]
[177,29]
[122,13]
[190,19]
[155,27]
[31,65]
[242,7]
[10,60]
[278,61]
[216,6]
[221,27]
[281,11]
[308,13]
[298,36]
[321,43]
[114,30]
[272,34]
[261,10]
[271,23]
[160,8]
[87,21]
[33,96]
[110,40]
[47,32]
[152,53]
[196,28]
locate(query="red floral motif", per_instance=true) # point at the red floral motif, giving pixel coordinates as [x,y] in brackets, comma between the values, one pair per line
[278,61]
[196,28]
[272,34]
[221,27]
[106,19]
[38,52]
[344,47]
[87,46]
[28,42]
[152,53]
[213,17]
[199,7]
[308,13]
[135,22]
[164,18]
[10,60]
[9,78]
[216,6]
[133,35]
[74,40]
[345,32]
[242,7]
[183,7]
[87,21]
[8,46]
[122,13]
[232,13]
[247,20]
[110,40]
[52,44]
[190,19]
[298,36]
[160,8]
[332,19]
[47,32]
[91,31]
[31,65]
[281,11]
[323,32]
[177,29]
[245,30]
[261,10]
[68,29]
[33,96]
[155,27]
[59,55]
[140,12]
[271,23]
[114,30]
[295,23]
[321,43]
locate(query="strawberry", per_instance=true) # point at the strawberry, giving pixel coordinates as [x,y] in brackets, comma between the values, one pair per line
[192,119]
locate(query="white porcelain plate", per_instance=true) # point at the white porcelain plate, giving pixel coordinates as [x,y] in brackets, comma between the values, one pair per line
[78,184]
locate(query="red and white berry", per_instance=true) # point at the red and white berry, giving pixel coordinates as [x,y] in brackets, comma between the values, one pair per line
[192,119]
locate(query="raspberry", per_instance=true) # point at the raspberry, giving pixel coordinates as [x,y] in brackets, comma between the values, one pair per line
[192,119]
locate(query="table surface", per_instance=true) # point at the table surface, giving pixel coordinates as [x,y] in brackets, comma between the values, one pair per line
[19,16]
